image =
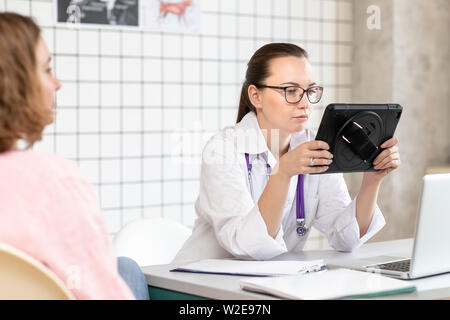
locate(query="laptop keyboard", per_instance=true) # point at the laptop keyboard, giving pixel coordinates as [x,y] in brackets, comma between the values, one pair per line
[401,265]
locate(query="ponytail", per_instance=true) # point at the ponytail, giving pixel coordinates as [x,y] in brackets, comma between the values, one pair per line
[245,106]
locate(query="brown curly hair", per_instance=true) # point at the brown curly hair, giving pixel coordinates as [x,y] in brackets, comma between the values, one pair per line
[23,114]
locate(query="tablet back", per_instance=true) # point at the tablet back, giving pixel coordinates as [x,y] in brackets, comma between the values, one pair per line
[355,132]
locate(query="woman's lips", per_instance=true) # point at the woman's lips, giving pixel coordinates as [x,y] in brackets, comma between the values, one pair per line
[302,117]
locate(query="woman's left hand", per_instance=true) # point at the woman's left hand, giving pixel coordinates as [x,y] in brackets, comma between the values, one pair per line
[387,161]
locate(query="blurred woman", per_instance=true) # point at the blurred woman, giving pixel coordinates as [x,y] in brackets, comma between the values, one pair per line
[48,209]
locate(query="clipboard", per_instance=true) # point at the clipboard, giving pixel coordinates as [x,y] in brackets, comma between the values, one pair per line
[251,267]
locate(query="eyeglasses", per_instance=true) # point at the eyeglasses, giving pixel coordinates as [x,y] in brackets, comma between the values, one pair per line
[293,94]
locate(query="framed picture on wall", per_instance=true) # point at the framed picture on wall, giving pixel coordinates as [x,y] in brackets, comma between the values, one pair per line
[98,13]
[172,15]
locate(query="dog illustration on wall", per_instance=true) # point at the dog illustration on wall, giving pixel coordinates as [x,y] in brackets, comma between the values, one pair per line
[176,8]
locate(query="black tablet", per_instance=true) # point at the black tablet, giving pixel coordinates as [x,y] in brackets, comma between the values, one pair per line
[355,132]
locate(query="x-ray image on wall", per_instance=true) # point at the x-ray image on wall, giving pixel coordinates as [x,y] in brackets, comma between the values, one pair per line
[99,12]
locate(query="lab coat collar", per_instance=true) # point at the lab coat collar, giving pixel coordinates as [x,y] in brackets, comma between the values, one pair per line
[250,138]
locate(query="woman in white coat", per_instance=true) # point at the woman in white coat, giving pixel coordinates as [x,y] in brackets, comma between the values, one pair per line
[257,198]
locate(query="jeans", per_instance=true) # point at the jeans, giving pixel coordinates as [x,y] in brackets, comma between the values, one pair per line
[133,276]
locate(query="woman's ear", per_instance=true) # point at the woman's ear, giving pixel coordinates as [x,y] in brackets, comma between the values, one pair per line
[254,95]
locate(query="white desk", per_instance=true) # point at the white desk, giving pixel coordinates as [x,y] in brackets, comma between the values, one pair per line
[227,287]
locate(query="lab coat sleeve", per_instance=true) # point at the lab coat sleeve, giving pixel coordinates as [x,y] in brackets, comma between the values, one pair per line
[225,201]
[336,215]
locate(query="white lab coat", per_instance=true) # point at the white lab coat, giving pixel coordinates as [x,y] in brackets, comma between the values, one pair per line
[229,223]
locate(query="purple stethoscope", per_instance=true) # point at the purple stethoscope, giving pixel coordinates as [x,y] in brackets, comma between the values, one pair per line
[300,200]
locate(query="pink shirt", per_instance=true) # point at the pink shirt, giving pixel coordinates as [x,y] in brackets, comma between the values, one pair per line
[49,211]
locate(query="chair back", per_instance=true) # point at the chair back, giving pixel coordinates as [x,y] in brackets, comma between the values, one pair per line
[24,278]
[151,241]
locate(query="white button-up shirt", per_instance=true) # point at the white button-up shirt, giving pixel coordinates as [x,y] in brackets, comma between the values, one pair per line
[229,222]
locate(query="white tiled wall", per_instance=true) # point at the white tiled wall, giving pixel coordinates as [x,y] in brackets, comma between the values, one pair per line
[137,107]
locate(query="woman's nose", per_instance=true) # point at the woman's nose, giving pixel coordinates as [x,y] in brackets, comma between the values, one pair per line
[58,84]
[303,103]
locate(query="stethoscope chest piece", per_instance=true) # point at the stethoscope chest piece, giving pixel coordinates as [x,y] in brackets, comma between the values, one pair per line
[301,228]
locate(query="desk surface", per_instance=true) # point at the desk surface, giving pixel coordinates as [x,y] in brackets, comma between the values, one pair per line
[227,287]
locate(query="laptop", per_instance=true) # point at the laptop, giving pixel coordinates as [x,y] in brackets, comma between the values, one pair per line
[431,251]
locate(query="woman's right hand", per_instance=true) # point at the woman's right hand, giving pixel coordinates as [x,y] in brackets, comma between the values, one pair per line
[298,160]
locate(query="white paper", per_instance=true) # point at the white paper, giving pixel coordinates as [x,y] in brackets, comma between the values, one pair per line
[330,284]
[257,268]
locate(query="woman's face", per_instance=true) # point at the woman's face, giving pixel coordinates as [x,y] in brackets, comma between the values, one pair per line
[273,107]
[49,83]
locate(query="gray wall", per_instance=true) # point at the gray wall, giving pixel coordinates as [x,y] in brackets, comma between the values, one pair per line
[406,61]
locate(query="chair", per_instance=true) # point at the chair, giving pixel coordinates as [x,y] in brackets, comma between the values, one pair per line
[150,241]
[438,169]
[24,278]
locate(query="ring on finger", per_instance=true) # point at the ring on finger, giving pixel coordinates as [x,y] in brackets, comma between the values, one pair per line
[311,162]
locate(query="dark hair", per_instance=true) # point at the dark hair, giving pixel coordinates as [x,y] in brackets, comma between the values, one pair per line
[23,114]
[258,70]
